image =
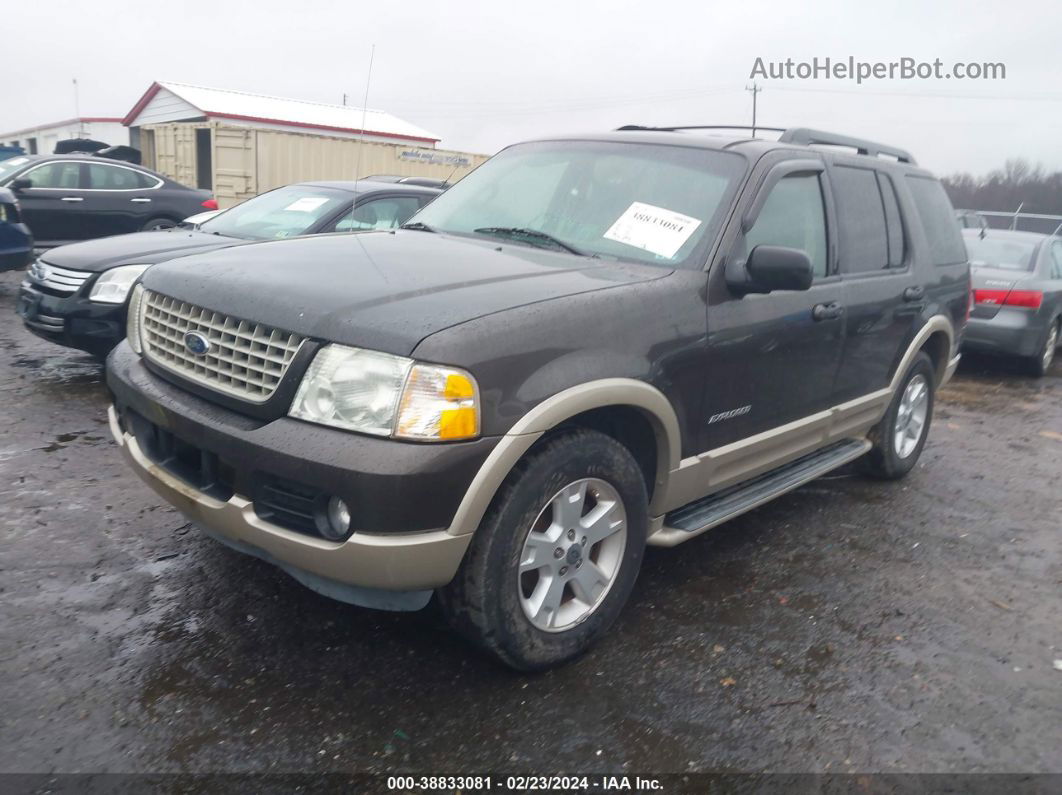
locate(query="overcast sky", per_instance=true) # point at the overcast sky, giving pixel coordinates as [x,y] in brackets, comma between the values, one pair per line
[484,74]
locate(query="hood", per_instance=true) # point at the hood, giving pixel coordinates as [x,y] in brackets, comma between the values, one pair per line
[382,290]
[135,249]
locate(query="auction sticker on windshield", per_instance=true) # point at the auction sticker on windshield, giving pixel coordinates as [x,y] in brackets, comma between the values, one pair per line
[654,229]
[307,204]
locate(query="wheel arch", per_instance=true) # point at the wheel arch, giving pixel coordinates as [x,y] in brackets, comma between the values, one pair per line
[936,338]
[575,406]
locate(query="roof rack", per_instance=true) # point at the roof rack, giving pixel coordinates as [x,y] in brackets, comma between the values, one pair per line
[797,135]
[629,127]
[807,137]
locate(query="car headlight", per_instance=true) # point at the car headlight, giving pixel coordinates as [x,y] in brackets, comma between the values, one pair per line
[385,395]
[132,318]
[113,286]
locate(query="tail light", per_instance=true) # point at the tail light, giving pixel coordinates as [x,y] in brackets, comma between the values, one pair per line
[210,204]
[995,297]
[1024,299]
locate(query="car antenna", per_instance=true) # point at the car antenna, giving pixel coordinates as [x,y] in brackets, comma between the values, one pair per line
[364,115]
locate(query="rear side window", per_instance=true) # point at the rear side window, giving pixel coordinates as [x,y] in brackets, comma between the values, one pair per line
[862,234]
[1056,260]
[892,218]
[938,220]
[102,177]
[793,217]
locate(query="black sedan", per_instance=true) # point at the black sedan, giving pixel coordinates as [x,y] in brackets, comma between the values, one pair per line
[75,295]
[80,197]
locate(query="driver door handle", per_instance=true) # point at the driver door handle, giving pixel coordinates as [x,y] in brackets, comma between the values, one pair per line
[830,311]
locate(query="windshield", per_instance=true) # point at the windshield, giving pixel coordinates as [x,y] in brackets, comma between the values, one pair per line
[11,165]
[650,203]
[284,212]
[994,252]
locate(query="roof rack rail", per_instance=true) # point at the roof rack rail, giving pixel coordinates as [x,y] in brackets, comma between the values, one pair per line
[795,135]
[629,127]
[808,137]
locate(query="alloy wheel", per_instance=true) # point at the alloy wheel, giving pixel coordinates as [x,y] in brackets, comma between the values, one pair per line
[572,555]
[911,416]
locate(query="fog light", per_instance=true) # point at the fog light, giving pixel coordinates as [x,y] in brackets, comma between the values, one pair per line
[338,520]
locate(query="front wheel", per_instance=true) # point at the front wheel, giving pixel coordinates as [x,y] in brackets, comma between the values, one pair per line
[900,436]
[556,556]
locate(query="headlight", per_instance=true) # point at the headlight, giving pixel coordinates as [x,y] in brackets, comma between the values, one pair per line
[132,318]
[351,388]
[386,395]
[113,286]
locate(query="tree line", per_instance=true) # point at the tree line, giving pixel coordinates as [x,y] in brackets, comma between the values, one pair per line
[1017,183]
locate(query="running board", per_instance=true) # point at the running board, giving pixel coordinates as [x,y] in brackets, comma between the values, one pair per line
[697,517]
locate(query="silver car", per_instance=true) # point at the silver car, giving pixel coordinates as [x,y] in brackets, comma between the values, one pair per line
[1017,284]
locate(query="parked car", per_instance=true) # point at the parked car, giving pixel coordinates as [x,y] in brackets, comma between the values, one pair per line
[16,240]
[75,295]
[79,197]
[1017,282]
[586,345]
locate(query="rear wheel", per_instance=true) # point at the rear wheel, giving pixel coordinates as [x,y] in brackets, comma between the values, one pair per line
[900,436]
[1041,362]
[156,224]
[556,556]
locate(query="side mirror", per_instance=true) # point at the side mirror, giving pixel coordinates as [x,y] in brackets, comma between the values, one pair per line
[770,268]
[21,184]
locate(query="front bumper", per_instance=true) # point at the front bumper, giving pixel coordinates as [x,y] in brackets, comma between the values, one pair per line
[403,496]
[71,320]
[1018,332]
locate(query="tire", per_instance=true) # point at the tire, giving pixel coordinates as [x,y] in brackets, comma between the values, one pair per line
[889,458]
[158,223]
[493,604]
[1039,364]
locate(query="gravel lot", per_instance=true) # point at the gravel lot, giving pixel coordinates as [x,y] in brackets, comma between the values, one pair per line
[849,626]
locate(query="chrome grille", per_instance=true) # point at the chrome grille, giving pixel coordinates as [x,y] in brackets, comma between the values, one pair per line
[61,280]
[243,358]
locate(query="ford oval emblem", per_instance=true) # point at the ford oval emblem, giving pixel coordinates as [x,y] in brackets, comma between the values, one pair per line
[196,343]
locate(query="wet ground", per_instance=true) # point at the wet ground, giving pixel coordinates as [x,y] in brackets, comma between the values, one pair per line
[850,625]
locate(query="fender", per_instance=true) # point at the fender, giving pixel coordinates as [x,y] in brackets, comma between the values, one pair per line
[945,367]
[552,412]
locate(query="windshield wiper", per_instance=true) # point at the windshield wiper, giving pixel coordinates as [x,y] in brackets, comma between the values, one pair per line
[417,226]
[529,235]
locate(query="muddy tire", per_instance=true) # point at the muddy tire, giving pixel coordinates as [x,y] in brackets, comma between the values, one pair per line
[554,560]
[900,436]
[1038,365]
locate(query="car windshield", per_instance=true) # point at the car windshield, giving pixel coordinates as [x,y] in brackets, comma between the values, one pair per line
[284,212]
[656,204]
[11,165]
[995,252]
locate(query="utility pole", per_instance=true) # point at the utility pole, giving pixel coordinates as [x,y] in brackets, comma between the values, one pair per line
[77,111]
[755,90]
[344,99]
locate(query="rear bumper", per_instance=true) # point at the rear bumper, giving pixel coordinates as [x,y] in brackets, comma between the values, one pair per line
[1013,331]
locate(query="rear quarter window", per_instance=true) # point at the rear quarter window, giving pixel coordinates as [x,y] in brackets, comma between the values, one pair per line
[938,220]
